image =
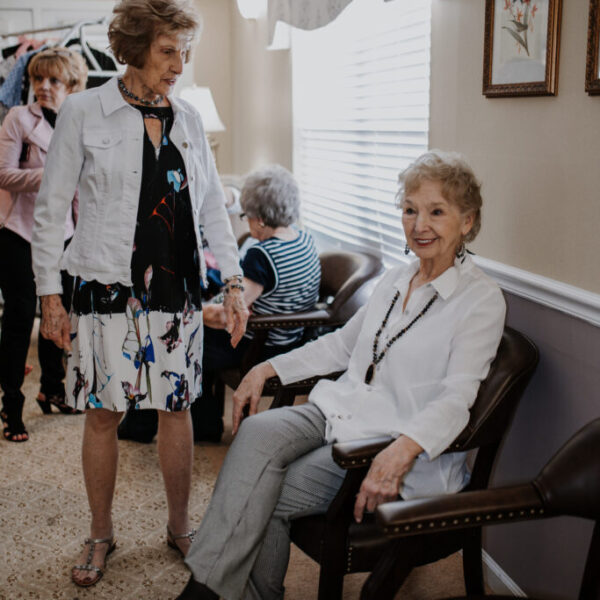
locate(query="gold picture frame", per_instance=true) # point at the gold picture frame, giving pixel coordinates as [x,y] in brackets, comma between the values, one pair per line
[521,47]
[592,63]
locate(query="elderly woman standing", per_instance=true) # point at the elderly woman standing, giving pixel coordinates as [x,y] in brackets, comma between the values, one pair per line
[414,358]
[26,132]
[148,188]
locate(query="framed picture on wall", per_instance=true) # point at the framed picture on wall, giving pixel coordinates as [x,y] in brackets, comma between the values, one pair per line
[592,64]
[521,45]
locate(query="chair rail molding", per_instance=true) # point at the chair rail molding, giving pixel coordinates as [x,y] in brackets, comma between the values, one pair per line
[560,296]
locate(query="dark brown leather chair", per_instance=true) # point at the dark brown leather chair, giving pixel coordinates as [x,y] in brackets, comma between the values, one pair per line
[568,485]
[346,282]
[342,546]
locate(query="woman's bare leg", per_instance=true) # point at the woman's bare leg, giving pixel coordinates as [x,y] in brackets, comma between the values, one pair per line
[99,456]
[175,455]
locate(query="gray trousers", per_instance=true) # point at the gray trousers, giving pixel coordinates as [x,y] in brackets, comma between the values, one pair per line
[279,467]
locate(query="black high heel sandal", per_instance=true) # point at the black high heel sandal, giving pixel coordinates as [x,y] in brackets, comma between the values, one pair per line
[47,402]
[11,417]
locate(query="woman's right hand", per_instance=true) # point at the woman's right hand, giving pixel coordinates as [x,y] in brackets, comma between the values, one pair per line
[55,325]
[249,392]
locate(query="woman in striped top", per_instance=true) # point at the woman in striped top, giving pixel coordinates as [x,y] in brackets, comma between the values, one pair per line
[282,274]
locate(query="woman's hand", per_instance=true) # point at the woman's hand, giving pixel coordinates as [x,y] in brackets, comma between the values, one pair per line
[236,314]
[55,325]
[249,391]
[213,315]
[387,471]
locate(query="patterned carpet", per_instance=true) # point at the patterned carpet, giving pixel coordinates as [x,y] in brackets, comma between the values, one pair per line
[44,519]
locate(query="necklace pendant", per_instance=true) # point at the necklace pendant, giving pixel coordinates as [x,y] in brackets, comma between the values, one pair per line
[369,374]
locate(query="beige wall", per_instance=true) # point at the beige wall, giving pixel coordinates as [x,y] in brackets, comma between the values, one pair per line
[538,158]
[213,68]
[251,87]
[262,102]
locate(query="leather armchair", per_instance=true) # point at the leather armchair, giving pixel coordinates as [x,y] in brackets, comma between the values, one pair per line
[342,546]
[569,484]
[346,281]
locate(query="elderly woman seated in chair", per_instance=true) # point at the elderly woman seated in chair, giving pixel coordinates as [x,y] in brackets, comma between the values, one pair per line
[282,274]
[414,358]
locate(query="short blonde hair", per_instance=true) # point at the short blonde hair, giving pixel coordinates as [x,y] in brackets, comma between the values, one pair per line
[64,64]
[137,23]
[458,181]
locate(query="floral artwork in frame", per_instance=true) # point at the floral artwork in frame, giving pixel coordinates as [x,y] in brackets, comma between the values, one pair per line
[521,47]
[592,66]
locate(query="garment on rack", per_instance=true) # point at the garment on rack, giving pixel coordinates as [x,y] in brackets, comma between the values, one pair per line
[6,66]
[11,90]
[106,62]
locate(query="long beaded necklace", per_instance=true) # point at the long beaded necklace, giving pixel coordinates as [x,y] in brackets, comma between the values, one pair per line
[136,98]
[378,356]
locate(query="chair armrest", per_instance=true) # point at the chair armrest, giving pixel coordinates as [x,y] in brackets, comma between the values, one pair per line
[459,511]
[309,318]
[274,383]
[359,453]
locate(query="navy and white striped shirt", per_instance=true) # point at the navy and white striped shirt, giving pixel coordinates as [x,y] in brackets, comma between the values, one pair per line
[290,273]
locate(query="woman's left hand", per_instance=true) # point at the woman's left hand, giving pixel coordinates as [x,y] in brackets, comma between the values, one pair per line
[236,314]
[388,469]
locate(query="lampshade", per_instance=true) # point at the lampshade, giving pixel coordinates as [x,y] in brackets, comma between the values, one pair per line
[251,9]
[202,100]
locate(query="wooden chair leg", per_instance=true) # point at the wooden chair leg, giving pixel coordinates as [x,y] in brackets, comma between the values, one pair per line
[219,391]
[387,577]
[331,580]
[590,586]
[473,563]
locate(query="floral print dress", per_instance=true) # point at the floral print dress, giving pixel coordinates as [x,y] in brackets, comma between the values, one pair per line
[141,346]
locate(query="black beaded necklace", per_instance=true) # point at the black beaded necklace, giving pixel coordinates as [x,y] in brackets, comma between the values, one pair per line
[378,356]
[131,95]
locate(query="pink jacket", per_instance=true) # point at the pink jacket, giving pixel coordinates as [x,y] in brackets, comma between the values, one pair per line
[20,181]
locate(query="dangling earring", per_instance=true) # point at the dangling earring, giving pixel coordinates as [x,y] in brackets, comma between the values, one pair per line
[406,248]
[460,251]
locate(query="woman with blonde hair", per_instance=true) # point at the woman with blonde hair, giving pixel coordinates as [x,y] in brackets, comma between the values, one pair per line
[148,192]
[24,138]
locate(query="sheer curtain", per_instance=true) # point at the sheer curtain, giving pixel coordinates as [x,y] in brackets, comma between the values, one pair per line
[304,14]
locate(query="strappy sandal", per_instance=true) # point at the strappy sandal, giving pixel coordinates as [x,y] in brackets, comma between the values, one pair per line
[47,402]
[172,539]
[11,417]
[88,561]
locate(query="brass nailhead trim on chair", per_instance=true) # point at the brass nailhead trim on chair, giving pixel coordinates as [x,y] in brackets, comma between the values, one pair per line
[478,518]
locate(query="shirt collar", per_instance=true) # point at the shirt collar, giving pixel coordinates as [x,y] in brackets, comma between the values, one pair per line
[445,284]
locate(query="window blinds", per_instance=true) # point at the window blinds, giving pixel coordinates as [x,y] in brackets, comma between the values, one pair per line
[361,114]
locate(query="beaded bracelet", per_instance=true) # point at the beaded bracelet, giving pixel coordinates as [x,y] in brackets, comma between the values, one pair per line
[238,279]
[231,286]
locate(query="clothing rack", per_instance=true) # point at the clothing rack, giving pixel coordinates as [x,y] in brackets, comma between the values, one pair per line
[76,30]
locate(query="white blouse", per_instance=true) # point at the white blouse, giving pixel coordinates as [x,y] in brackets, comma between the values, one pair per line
[428,379]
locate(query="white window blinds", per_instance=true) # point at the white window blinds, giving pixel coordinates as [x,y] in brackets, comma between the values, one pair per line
[361,114]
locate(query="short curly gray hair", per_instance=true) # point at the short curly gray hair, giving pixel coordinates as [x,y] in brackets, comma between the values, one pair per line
[271,194]
[459,184]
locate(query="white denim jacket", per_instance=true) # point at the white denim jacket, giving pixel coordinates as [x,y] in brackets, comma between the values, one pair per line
[97,147]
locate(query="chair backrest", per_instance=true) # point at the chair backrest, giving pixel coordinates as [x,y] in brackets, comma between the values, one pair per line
[569,484]
[345,279]
[499,392]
